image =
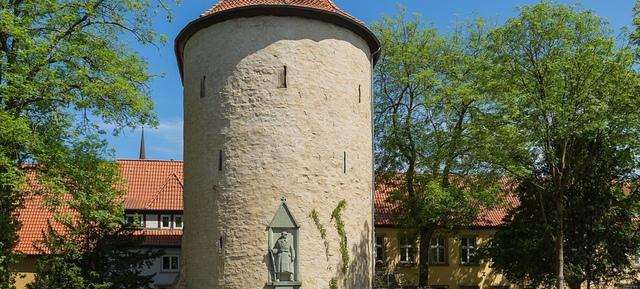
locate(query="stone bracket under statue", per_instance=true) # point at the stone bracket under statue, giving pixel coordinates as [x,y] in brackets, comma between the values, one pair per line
[283,250]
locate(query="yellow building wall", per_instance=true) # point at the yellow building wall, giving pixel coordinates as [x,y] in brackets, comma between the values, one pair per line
[25,269]
[452,275]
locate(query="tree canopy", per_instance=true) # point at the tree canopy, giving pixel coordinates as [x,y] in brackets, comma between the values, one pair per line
[567,92]
[66,73]
[431,126]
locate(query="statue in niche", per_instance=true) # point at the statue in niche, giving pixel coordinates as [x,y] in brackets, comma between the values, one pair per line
[285,258]
[282,250]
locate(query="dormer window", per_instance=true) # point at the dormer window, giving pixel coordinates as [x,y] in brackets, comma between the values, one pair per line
[177,222]
[165,222]
[133,220]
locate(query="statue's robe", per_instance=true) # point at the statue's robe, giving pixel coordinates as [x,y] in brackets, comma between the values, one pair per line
[285,254]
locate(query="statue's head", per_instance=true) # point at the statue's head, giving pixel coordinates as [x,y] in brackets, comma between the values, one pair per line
[283,234]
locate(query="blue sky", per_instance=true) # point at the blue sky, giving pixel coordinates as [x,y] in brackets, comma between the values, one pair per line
[165,141]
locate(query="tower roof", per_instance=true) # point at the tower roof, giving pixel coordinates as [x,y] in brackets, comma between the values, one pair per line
[324,10]
[326,5]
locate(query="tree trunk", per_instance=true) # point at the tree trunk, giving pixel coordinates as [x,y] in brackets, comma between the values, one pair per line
[425,244]
[574,284]
[560,241]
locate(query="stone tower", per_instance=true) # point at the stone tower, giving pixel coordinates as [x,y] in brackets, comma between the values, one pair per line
[278,124]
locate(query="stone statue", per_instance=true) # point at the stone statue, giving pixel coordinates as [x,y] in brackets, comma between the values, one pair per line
[285,256]
[283,250]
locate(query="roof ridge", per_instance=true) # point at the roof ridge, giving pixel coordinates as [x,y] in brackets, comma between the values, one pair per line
[157,196]
[205,12]
[223,5]
[179,180]
[149,160]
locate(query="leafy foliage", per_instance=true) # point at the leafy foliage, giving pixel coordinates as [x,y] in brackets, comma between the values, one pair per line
[322,230]
[65,73]
[333,284]
[433,127]
[336,215]
[567,94]
[88,238]
[601,218]
[344,250]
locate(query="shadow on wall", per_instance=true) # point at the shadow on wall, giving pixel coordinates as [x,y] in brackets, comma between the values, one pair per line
[359,275]
[470,275]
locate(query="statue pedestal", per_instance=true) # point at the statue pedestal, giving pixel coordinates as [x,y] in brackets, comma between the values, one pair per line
[284,285]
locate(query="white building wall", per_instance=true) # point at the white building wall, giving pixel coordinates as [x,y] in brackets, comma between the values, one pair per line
[163,278]
[151,221]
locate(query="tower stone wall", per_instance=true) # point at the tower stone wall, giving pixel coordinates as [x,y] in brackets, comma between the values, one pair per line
[276,106]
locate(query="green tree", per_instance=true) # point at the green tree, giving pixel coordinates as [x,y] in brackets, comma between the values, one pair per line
[561,81]
[430,124]
[64,69]
[87,244]
[601,218]
[635,36]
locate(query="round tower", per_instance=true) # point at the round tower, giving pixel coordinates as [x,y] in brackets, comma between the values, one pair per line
[277,146]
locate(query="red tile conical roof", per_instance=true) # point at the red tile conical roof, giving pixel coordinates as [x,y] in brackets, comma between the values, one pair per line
[323,10]
[326,5]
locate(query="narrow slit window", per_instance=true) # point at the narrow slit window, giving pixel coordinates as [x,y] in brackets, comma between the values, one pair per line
[283,77]
[220,160]
[344,163]
[203,91]
[359,93]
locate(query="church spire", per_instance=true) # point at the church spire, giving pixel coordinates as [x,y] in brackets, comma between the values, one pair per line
[143,154]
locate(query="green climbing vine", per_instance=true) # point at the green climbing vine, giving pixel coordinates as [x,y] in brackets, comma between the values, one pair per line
[344,250]
[323,232]
[333,284]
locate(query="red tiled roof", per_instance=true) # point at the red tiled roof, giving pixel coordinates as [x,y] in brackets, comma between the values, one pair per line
[384,208]
[158,185]
[161,238]
[325,5]
[151,185]
[495,216]
[34,219]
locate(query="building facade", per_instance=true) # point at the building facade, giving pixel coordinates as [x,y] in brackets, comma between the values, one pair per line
[453,260]
[153,206]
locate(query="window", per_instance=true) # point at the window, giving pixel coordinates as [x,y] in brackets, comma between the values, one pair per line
[283,78]
[380,249]
[133,220]
[165,222]
[468,251]
[177,221]
[438,252]
[220,160]
[170,263]
[151,221]
[407,249]
[344,162]
[203,89]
